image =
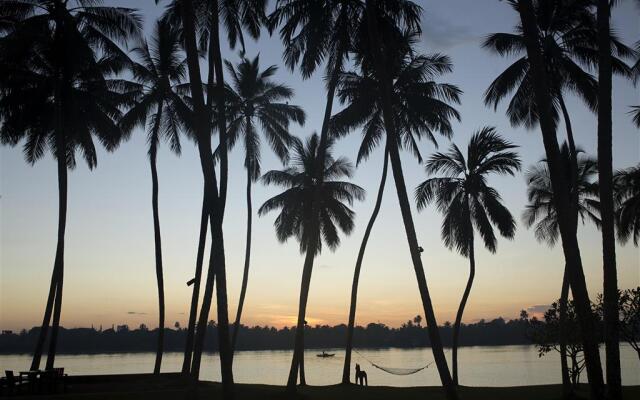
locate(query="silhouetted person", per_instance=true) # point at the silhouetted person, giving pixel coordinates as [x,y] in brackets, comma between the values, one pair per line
[361,376]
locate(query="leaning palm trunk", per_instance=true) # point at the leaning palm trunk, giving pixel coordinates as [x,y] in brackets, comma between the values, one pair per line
[562,201]
[346,372]
[157,240]
[605,171]
[298,347]
[567,387]
[195,296]
[405,207]
[245,274]
[463,303]
[213,204]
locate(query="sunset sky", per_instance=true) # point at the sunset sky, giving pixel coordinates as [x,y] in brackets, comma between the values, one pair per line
[110,271]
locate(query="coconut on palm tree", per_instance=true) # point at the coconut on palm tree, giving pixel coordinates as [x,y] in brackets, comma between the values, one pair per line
[465,199]
[159,71]
[312,211]
[256,102]
[58,61]
[422,109]
[626,184]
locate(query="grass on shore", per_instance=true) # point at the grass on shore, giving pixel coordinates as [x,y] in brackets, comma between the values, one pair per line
[209,390]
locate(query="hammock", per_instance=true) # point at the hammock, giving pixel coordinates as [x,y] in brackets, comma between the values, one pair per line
[395,371]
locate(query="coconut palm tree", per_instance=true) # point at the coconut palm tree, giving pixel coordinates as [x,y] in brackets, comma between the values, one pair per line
[56,55]
[564,203]
[159,72]
[541,208]
[422,108]
[626,183]
[312,211]
[255,100]
[236,16]
[380,51]
[540,212]
[465,199]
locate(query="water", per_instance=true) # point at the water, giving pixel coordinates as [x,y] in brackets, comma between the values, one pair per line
[479,366]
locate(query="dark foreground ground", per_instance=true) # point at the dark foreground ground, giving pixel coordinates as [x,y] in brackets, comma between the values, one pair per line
[170,386]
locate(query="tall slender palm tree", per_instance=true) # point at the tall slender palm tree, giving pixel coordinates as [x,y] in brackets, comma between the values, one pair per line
[236,16]
[610,291]
[567,32]
[160,70]
[562,197]
[541,208]
[465,199]
[323,31]
[312,211]
[56,55]
[255,99]
[380,48]
[626,183]
[422,108]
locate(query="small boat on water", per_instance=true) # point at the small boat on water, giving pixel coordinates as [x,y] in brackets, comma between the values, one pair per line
[325,355]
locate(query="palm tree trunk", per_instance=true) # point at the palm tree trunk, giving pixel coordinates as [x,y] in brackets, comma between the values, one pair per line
[567,388]
[55,325]
[405,207]
[245,274]
[346,371]
[193,312]
[215,208]
[42,334]
[303,378]
[605,175]
[224,344]
[157,241]
[463,303]
[562,200]
[298,347]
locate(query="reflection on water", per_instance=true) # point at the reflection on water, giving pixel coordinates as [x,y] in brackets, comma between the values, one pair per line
[479,366]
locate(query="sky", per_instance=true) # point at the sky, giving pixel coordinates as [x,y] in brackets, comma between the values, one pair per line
[109,258]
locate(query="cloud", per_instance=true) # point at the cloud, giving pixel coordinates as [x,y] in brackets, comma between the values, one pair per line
[442,34]
[540,308]
[136,313]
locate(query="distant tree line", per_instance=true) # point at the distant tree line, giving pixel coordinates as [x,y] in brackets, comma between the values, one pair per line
[411,334]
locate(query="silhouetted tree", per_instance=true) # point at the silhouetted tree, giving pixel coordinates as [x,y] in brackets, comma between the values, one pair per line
[541,208]
[465,200]
[56,56]
[626,185]
[312,211]
[159,71]
[255,99]
[422,108]
[381,48]
[563,202]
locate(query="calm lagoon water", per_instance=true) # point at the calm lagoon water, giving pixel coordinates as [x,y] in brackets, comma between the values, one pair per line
[479,366]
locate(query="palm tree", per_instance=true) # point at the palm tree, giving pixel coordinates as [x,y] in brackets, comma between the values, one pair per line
[312,211]
[256,100]
[421,107]
[464,198]
[635,110]
[56,56]
[541,208]
[627,197]
[159,72]
[380,48]
[563,201]
[610,292]
[236,16]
